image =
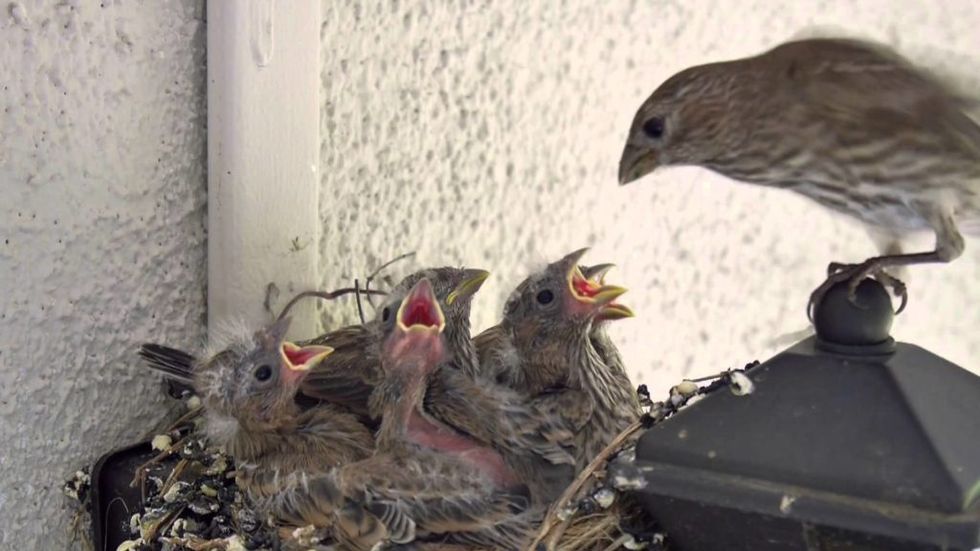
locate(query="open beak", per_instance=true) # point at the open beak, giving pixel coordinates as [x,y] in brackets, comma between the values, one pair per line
[635,163]
[302,358]
[597,272]
[420,311]
[584,289]
[613,310]
[469,286]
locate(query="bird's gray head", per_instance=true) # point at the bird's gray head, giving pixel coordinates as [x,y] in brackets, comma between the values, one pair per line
[559,299]
[454,289]
[688,120]
[255,379]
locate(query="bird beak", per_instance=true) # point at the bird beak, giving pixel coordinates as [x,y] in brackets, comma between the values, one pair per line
[635,163]
[612,310]
[469,286]
[589,291]
[303,358]
[420,312]
[597,272]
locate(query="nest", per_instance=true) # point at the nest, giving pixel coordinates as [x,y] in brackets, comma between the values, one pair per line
[190,501]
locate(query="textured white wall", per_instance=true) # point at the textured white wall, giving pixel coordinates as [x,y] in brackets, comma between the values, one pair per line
[488,134]
[101,234]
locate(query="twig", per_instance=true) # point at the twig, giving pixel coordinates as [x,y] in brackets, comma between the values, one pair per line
[618,543]
[374,274]
[141,470]
[178,470]
[324,295]
[573,489]
[357,298]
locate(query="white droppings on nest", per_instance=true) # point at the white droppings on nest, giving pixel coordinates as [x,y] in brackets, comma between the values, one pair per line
[623,482]
[194,402]
[741,385]
[630,542]
[234,543]
[566,513]
[208,491]
[129,545]
[306,535]
[219,464]
[161,442]
[76,486]
[786,504]
[134,523]
[175,491]
[685,388]
[605,498]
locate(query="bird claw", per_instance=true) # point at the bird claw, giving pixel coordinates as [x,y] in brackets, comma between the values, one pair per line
[854,274]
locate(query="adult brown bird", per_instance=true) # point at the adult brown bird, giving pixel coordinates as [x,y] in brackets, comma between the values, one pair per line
[544,348]
[248,389]
[849,124]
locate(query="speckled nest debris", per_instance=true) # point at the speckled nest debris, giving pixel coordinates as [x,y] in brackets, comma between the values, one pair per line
[596,512]
[191,501]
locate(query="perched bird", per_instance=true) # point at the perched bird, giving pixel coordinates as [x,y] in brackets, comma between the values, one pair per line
[248,389]
[849,124]
[544,348]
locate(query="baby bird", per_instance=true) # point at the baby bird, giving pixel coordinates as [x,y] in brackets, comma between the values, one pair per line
[544,347]
[350,374]
[248,390]
[427,475]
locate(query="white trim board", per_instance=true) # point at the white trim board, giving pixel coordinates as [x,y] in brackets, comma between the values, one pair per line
[263,158]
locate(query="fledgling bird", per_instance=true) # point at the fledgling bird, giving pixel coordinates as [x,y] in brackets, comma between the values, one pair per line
[427,475]
[544,348]
[350,374]
[490,428]
[248,389]
[530,440]
[847,123]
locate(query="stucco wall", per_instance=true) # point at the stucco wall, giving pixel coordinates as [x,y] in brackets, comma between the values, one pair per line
[102,171]
[488,134]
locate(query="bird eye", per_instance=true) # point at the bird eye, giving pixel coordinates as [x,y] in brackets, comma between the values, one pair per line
[545,297]
[263,373]
[385,314]
[654,128]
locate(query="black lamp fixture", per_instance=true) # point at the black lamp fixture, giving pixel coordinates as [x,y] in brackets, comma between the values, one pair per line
[849,441]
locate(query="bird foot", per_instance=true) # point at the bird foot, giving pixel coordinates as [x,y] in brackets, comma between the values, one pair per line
[854,274]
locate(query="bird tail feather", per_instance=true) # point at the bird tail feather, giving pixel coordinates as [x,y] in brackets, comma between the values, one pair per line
[173,363]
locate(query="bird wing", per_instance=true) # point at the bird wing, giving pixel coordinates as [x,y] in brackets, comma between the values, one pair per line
[574,406]
[297,498]
[497,415]
[854,84]
[437,493]
[498,358]
[349,374]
